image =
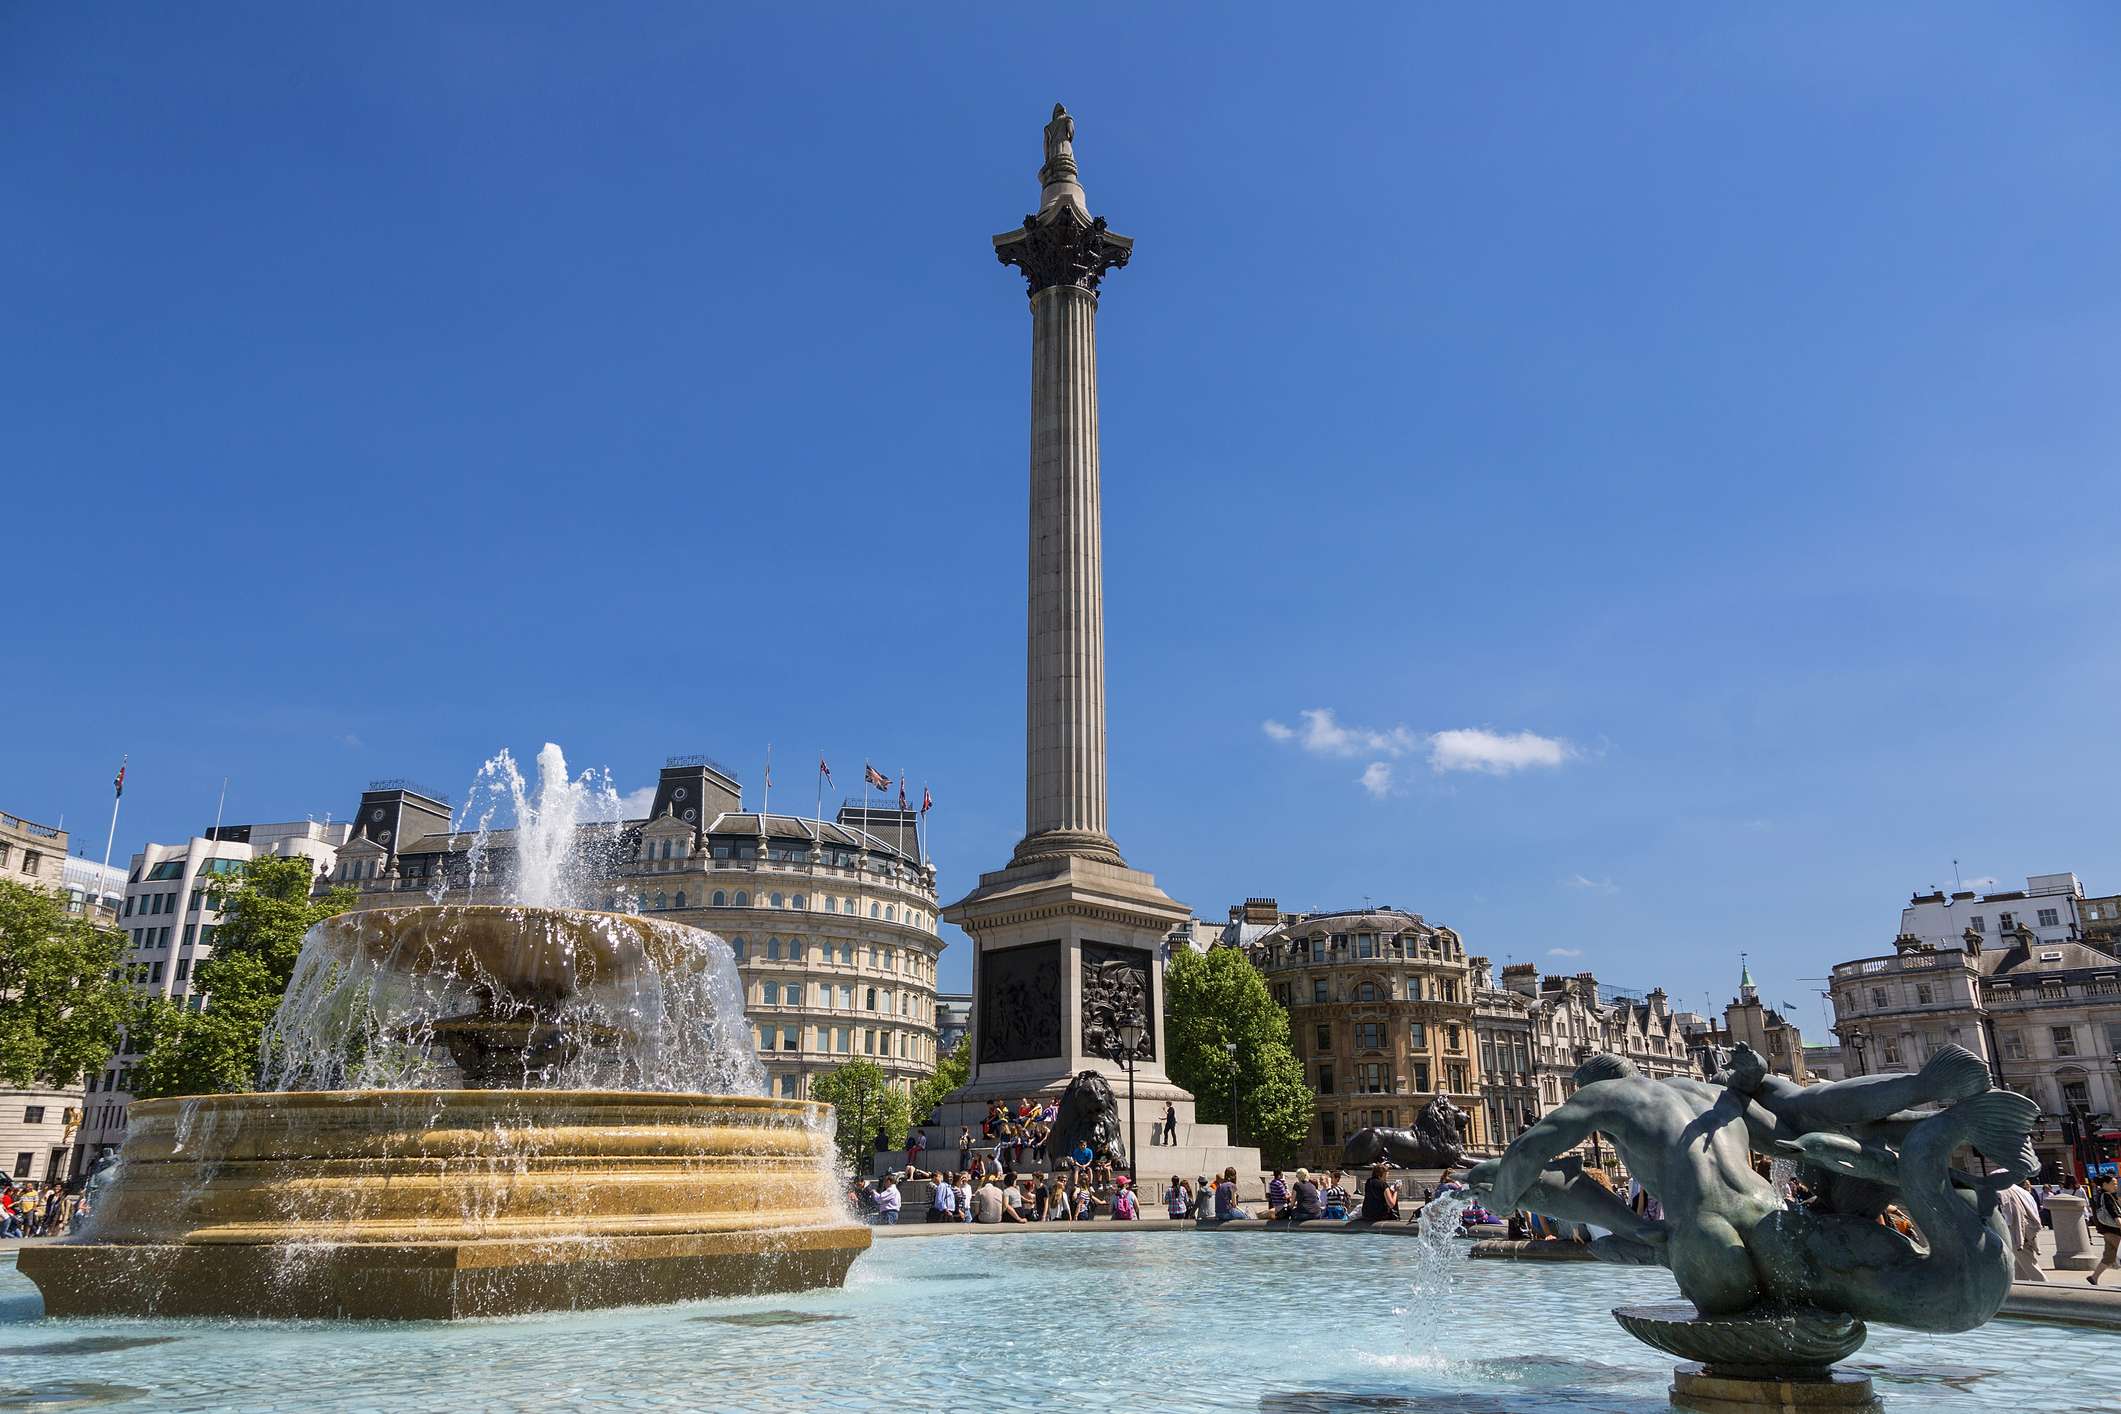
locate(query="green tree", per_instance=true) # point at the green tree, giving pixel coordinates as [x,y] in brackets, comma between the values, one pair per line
[62,1003]
[1217,999]
[951,1072]
[866,1102]
[266,907]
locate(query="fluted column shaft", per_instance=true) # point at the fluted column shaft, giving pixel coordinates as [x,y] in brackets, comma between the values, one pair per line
[1065,702]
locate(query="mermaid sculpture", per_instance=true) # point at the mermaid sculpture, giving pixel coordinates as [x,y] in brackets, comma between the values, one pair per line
[1778,1288]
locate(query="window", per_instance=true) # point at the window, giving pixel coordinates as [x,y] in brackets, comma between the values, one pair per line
[30,861]
[721,899]
[842,1040]
[22,1161]
[832,905]
[770,993]
[1366,991]
[2049,918]
[158,977]
[795,949]
[1325,1128]
[1451,1041]
[33,1114]
[743,899]
[776,897]
[766,1036]
[128,897]
[873,910]
[661,899]
[1877,998]
[1417,1036]
[846,999]
[788,1087]
[1325,1037]
[799,901]
[1325,1080]
[1365,945]
[1318,989]
[1370,1078]
[2076,1095]
[869,1003]
[1892,1050]
[791,1038]
[736,948]
[2004,922]
[773,950]
[183,968]
[1922,993]
[681,898]
[1980,923]
[1370,1035]
[1421,1075]
[2065,1040]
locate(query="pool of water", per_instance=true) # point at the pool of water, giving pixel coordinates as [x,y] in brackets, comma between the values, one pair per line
[1283,1323]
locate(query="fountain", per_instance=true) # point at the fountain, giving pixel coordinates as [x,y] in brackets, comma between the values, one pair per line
[476,1110]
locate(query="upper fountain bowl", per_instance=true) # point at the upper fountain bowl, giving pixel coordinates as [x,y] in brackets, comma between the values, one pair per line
[483,997]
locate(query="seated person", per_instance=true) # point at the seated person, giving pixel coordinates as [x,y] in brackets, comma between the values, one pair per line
[1305,1200]
[1380,1201]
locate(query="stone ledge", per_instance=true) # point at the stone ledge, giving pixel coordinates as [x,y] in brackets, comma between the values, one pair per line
[2066,1305]
[1544,1249]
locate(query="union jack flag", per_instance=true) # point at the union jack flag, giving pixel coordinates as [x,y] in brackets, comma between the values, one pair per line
[874,777]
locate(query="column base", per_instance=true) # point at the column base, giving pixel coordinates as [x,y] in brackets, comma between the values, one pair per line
[1066,844]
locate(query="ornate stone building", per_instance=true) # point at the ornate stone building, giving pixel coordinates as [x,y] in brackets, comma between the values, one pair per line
[1572,1018]
[833,922]
[2045,1015]
[1749,1021]
[1381,1013]
[1502,1027]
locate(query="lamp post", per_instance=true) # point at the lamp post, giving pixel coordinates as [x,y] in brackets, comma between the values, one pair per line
[1857,1041]
[1130,1033]
[1230,1050]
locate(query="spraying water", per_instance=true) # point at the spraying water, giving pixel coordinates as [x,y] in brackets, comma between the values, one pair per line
[563,835]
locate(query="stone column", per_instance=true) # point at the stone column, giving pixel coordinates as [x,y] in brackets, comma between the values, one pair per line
[1064,253]
[1064,783]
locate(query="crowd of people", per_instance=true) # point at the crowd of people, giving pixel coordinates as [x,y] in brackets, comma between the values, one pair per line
[35,1209]
[966,1196]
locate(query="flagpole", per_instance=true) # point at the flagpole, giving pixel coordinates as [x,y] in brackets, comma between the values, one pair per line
[766,804]
[112,838]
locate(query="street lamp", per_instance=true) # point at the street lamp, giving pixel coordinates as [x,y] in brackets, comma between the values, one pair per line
[1857,1041]
[1129,1036]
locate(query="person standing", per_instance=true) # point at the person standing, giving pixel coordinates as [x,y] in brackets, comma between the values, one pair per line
[2106,1221]
[1170,1123]
[887,1202]
[1124,1208]
[2021,1216]
[1177,1201]
[964,1146]
[942,1204]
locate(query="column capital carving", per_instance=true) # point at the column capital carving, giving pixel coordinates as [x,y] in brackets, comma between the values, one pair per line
[1063,247]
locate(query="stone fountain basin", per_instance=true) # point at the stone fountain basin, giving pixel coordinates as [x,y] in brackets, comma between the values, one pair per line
[445,1203]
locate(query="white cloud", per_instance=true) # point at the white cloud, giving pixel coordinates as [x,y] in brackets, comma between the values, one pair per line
[1601,886]
[633,805]
[350,742]
[1496,753]
[1986,881]
[1564,952]
[1376,778]
[1324,734]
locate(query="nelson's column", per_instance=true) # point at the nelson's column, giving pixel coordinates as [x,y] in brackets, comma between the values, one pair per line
[1065,937]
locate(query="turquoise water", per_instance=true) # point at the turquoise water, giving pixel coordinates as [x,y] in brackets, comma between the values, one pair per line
[1287,1323]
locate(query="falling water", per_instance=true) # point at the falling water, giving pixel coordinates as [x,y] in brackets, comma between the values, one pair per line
[1439,1264]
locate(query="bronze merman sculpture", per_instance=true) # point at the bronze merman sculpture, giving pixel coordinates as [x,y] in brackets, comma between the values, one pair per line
[1780,1288]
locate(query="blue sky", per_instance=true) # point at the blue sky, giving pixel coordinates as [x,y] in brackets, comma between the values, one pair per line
[1707,415]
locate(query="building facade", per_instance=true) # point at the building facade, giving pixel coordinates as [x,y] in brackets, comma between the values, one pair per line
[2051,905]
[38,1127]
[832,922]
[1381,1015]
[2045,1015]
[1750,1022]
[169,919]
[1502,1027]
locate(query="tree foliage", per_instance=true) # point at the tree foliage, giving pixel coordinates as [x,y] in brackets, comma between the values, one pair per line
[62,1008]
[951,1072]
[866,1102]
[1217,998]
[266,907]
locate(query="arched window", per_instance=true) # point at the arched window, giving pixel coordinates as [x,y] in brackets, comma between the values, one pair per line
[773,950]
[666,849]
[721,899]
[771,993]
[832,905]
[743,899]
[872,910]
[847,906]
[660,901]
[871,1000]
[681,898]
[1366,991]
[776,898]
[795,949]
[736,948]
[890,913]
[799,901]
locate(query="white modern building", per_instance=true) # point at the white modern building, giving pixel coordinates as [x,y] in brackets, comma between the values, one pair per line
[2049,904]
[169,920]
